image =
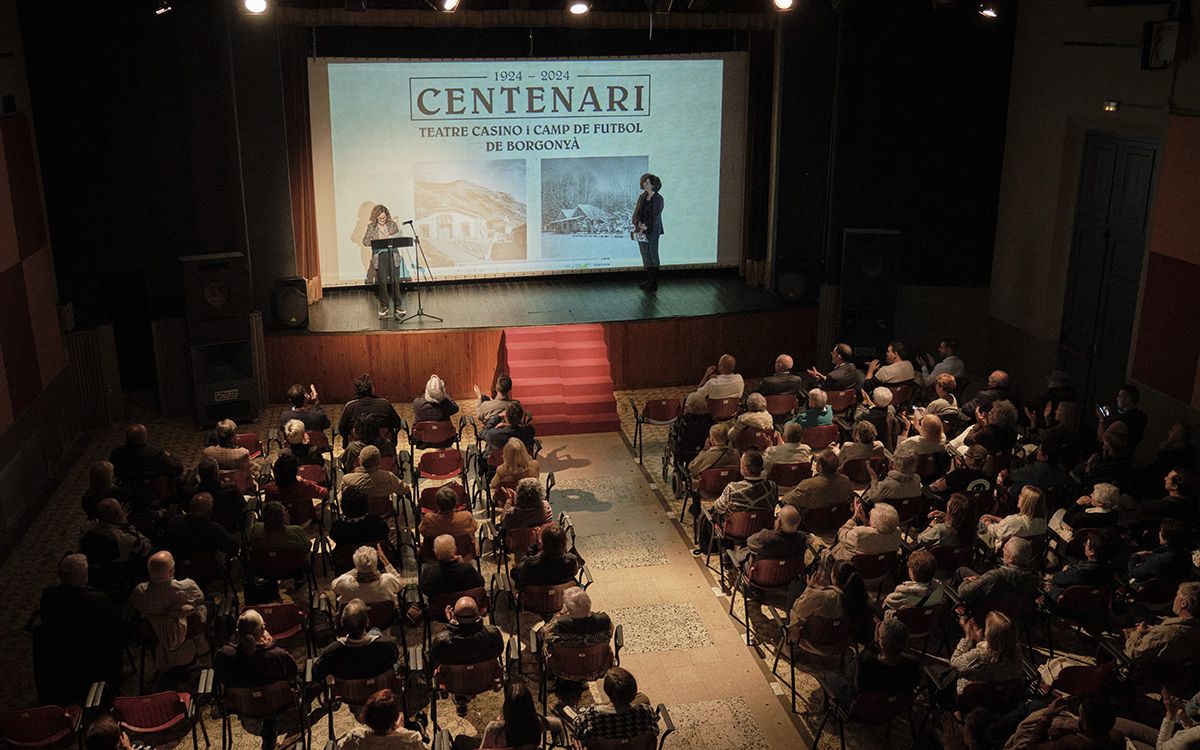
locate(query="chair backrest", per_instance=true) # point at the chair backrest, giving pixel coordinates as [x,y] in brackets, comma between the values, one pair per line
[902,395]
[544,600]
[146,714]
[661,410]
[713,480]
[875,565]
[281,620]
[260,702]
[434,434]
[239,477]
[464,546]
[438,604]
[773,573]
[1014,606]
[277,563]
[983,499]
[639,742]
[827,633]
[879,708]
[318,439]
[428,501]
[789,475]
[470,679]
[842,401]
[495,457]
[723,408]
[381,614]
[250,441]
[856,471]
[952,558]
[440,464]
[996,696]
[381,505]
[921,621]
[752,438]
[819,437]
[740,524]
[579,660]
[388,463]
[908,508]
[828,518]
[37,727]
[354,693]
[1083,679]
[782,405]
[518,541]
[313,473]
[1079,602]
[1156,594]
[201,566]
[930,466]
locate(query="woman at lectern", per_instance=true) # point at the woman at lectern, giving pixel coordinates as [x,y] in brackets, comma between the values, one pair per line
[647,224]
[388,263]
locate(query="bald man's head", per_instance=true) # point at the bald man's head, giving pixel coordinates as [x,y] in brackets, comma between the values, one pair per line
[783,363]
[201,505]
[789,519]
[135,434]
[161,567]
[466,610]
[998,379]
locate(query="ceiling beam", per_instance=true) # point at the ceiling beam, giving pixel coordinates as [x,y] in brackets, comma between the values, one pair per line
[520,19]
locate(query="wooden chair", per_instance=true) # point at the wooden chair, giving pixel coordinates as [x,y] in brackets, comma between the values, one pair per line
[44,726]
[760,575]
[825,520]
[782,407]
[752,438]
[842,402]
[820,636]
[819,437]
[262,702]
[723,408]
[555,659]
[656,411]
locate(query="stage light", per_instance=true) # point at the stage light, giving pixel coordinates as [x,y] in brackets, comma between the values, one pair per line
[449,6]
[579,7]
[784,4]
[1112,105]
[988,10]
[163,7]
[256,6]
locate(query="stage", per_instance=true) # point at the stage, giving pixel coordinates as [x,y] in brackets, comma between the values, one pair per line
[655,339]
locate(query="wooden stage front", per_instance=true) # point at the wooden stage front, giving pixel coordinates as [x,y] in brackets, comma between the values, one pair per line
[660,339]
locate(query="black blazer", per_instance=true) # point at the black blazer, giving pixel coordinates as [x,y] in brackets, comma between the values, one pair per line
[651,215]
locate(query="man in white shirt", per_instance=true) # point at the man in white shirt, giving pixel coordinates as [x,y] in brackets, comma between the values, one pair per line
[897,370]
[949,364]
[720,381]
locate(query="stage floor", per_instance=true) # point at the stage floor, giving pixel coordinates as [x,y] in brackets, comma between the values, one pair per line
[557,300]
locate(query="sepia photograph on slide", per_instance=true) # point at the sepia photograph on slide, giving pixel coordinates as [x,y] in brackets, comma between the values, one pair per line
[471,212]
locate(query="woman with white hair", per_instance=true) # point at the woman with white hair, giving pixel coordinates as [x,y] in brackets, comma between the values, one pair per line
[756,416]
[365,581]
[578,627]
[298,445]
[873,529]
[1098,510]
[435,405]
[876,406]
[818,413]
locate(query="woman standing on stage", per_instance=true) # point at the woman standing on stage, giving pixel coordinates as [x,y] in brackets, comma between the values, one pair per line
[647,224]
[388,263]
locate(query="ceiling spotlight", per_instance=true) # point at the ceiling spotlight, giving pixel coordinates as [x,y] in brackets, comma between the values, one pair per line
[988,10]
[256,6]
[1112,105]
[163,7]
[449,6]
[784,4]
[579,7]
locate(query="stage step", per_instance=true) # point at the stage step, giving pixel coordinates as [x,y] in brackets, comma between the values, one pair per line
[561,374]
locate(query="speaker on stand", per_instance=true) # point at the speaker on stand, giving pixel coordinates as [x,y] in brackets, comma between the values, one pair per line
[289,303]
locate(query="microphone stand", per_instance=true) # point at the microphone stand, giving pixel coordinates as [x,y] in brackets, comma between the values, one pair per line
[418,254]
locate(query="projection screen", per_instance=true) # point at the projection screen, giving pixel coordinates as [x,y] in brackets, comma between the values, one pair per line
[528,167]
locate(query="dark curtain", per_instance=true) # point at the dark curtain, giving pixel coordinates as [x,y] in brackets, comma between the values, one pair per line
[293,46]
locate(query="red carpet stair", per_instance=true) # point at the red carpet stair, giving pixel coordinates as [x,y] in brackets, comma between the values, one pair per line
[562,376]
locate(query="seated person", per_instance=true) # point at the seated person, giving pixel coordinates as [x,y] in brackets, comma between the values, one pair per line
[368,430]
[1176,452]
[953,527]
[989,654]
[1055,727]
[782,381]
[356,527]
[297,445]
[817,412]
[451,574]
[529,508]
[274,532]
[366,403]
[717,452]
[514,424]
[577,627]
[112,538]
[1179,502]
[1045,472]
[873,529]
[435,405]
[517,465]
[105,733]
[949,362]
[1093,570]
[1172,559]
[228,455]
[881,667]
[490,410]
[382,726]
[1015,577]
[79,639]
[755,417]
[628,715]
[1127,411]
[294,492]
[862,445]
[447,520]
[369,477]
[137,460]
[833,590]
[361,653]
[466,640]
[791,451]
[102,484]
[876,407]
[782,542]
[252,659]
[1176,638]
[901,482]
[168,604]
[365,581]
[720,380]
[1097,510]
[966,476]
[827,487]
[930,439]
[751,493]
[919,590]
[304,406]
[844,376]
[196,533]
[1112,464]
[519,725]
[690,432]
[553,565]
[897,370]
[229,504]
[944,404]
[1029,520]
[997,430]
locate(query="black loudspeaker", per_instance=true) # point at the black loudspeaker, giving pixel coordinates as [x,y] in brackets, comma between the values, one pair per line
[289,302]
[867,294]
[217,297]
[224,382]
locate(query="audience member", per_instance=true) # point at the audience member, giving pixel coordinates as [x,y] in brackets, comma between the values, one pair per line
[919,590]
[226,452]
[195,533]
[1029,520]
[997,389]
[1093,570]
[294,492]
[368,430]
[691,430]
[720,380]
[1176,638]
[897,370]
[817,411]
[881,667]
[791,451]
[356,526]
[490,410]
[381,726]
[577,627]
[953,527]
[517,465]
[876,408]
[1014,578]
[1127,411]
[466,640]
[105,733]
[1097,510]
[628,715]
[1172,559]
[781,382]
[229,504]
[519,725]
[844,376]
[901,481]
[1055,727]
[252,659]
[1112,464]
[450,574]
[1179,502]
[366,402]
[755,417]
[371,479]
[102,484]
[137,461]
[987,655]
[435,405]
[553,565]
[751,492]
[930,439]
[996,430]
[366,582]
[1176,452]
[949,363]
[944,403]
[112,538]
[304,406]
[827,487]
[862,445]
[514,424]
[873,529]
[361,653]
[529,507]
[717,453]
[1045,472]
[274,532]
[967,476]
[297,445]
[447,520]
[173,608]
[782,542]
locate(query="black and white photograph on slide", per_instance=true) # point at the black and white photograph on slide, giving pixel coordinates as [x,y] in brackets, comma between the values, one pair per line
[587,205]
[469,212]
